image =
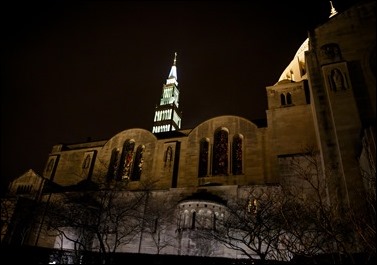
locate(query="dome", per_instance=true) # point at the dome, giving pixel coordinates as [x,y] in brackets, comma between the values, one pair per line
[296,71]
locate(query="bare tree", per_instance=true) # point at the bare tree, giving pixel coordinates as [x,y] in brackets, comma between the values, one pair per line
[7,210]
[365,224]
[253,225]
[315,227]
[158,219]
[296,220]
[18,215]
[102,219]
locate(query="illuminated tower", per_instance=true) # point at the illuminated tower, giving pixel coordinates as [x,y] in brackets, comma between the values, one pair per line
[167,116]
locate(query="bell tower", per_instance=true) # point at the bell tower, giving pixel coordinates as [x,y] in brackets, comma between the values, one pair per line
[167,115]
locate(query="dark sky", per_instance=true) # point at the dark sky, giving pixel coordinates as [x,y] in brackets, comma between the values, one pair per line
[73,69]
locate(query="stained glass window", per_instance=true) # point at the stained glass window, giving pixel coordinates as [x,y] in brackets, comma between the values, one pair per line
[220,152]
[203,158]
[114,164]
[138,165]
[237,155]
[126,160]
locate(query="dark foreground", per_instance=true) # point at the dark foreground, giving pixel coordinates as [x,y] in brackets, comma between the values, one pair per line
[37,255]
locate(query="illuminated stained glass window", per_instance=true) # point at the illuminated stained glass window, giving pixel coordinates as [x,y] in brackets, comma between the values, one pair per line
[237,155]
[203,158]
[220,152]
[138,164]
[126,160]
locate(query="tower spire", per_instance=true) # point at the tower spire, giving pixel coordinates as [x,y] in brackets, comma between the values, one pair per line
[333,11]
[173,71]
[167,116]
[175,58]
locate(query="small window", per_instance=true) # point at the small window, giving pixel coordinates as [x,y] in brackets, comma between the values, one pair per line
[289,99]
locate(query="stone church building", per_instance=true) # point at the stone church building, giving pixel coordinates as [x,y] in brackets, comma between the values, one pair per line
[324,101]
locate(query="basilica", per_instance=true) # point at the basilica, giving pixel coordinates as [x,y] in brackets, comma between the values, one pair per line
[182,186]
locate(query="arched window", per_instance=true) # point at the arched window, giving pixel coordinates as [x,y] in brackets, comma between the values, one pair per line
[203,158]
[125,167]
[114,165]
[220,152]
[138,164]
[289,98]
[237,155]
[282,100]
[193,220]
[186,220]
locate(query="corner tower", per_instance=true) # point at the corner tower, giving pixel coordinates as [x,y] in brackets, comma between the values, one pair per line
[167,116]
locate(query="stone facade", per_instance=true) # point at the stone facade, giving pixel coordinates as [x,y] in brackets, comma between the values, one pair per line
[325,105]
[342,49]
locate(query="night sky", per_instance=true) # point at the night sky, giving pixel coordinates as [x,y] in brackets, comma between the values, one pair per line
[72,69]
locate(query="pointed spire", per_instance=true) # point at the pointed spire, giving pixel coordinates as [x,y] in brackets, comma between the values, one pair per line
[173,71]
[175,58]
[333,11]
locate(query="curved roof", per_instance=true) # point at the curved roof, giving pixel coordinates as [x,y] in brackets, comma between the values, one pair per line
[224,119]
[295,71]
[204,196]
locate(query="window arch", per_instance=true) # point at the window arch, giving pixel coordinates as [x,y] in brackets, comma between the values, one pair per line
[220,152]
[282,99]
[203,157]
[114,165]
[289,98]
[186,219]
[237,154]
[138,164]
[126,161]
[193,220]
